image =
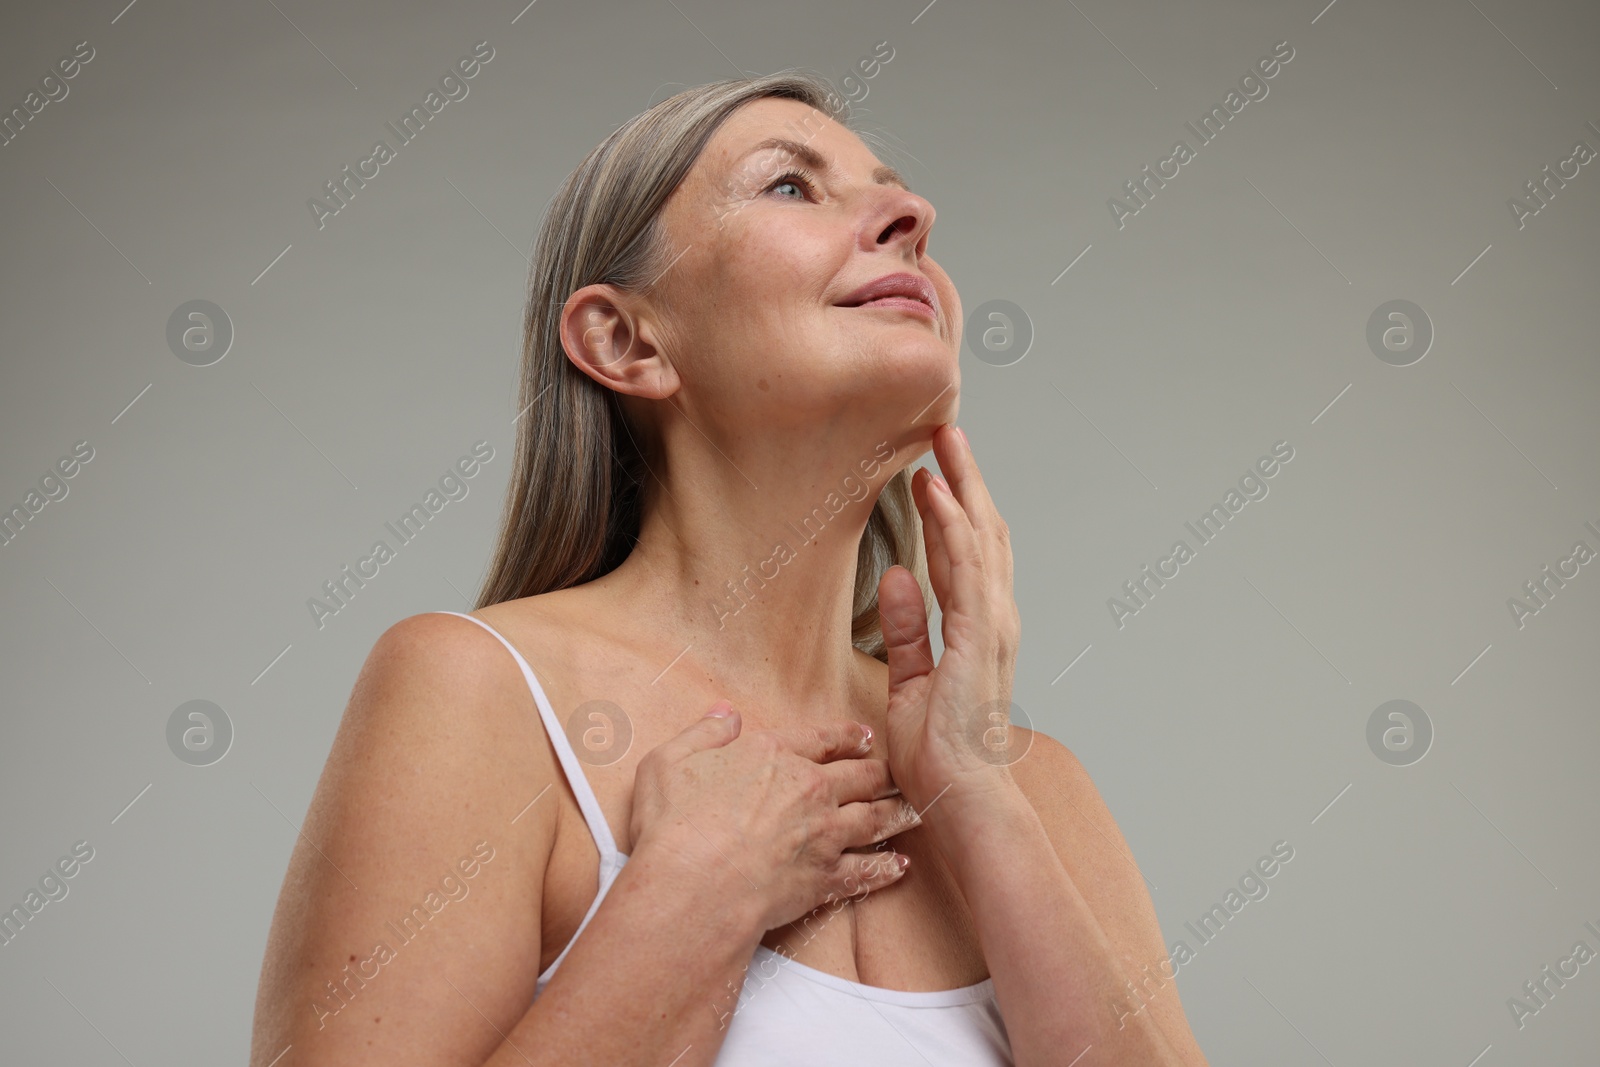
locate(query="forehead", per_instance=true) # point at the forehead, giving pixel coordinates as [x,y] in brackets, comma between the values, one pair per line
[734,145]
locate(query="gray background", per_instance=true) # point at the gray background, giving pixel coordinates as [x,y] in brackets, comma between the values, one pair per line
[1229,314]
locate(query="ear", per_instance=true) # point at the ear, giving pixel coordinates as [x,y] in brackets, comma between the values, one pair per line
[606,340]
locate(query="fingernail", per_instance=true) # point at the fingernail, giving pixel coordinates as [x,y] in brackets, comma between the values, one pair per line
[720,710]
[902,861]
[941,483]
[866,742]
[963,434]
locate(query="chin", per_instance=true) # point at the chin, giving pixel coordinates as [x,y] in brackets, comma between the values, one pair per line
[925,382]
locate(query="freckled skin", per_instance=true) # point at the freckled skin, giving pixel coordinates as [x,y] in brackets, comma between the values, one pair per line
[761,270]
[764,394]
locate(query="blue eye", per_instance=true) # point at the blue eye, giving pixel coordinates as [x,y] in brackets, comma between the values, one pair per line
[792,177]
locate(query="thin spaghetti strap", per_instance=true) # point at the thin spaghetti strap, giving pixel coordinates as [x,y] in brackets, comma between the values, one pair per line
[587,803]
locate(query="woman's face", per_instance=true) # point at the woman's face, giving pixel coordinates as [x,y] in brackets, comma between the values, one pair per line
[770,247]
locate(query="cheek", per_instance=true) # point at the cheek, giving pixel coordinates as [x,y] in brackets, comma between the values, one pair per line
[770,291]
[949,299]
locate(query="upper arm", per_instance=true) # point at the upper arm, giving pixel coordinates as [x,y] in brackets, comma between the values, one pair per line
[1097,857]
[408,876]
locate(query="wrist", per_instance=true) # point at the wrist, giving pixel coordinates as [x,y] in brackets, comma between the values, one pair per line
[978,818]
[691,869]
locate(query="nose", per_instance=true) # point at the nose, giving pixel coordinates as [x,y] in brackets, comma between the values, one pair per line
[900,218]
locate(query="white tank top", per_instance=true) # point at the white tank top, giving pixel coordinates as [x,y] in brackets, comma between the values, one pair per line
[788,1013]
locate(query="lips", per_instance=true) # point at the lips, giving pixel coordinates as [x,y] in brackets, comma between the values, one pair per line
[891,286]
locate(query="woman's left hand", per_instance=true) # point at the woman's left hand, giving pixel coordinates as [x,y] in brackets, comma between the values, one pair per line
[948,725]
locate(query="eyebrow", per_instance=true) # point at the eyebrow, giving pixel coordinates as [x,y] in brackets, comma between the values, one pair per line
[883,175]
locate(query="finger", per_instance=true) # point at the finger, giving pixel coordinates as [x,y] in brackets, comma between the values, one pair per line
[706,732]
[938,566]
[824,742]
[966,481]
[864,779]
[868,822]
[904,618]
[972,493]
[860,873]
[963,602]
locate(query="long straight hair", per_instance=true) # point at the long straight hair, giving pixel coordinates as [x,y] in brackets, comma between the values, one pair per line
[574,505]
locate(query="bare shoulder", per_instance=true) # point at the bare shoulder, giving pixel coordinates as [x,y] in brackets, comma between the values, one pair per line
[1074,814]
[1095,854]
[442,689]
[413,828]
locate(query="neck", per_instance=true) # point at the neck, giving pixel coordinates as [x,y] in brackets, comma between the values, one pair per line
[747,563]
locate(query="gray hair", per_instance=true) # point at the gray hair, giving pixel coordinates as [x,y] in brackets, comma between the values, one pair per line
[574,504]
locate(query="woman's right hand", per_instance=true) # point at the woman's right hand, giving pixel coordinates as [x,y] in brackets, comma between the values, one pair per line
[780,806]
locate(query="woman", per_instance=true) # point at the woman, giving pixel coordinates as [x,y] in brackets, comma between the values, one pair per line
[736,346]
